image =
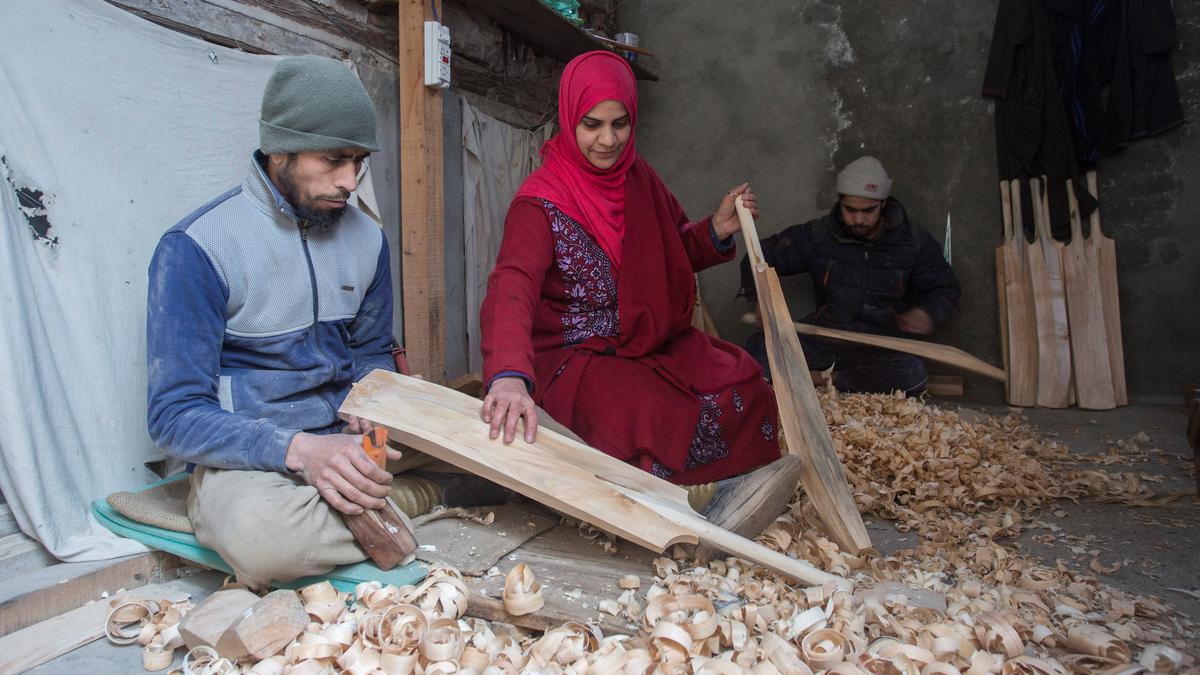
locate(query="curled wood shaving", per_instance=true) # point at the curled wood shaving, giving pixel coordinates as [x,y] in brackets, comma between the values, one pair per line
[522,592]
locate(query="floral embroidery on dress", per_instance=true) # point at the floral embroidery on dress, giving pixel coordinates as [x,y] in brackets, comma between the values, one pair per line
[587,277]
[737,401]
[707,444]
[768,430]
[660,470]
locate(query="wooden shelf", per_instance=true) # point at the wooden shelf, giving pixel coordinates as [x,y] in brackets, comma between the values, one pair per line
[541,27]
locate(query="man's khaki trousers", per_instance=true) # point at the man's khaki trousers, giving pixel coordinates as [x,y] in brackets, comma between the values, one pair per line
[268,526]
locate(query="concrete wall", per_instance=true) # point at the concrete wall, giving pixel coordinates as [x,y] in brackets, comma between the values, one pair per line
[785,93]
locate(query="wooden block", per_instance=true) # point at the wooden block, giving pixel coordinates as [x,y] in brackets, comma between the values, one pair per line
[385,534]
[50,591]
[44,641]
[209,621]
[945,385]
[267,627]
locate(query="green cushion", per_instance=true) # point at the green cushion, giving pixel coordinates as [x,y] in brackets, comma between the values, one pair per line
[185,545]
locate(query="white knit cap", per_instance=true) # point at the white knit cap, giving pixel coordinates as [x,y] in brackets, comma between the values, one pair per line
[864,177]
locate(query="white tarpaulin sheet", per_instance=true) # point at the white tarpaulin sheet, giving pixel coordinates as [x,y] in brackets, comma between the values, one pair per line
[111,129]
[496,159]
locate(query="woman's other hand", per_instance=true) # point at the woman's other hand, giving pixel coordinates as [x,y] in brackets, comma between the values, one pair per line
[506,402]
[725,220]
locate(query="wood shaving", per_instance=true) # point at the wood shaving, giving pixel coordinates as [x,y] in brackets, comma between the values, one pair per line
[957,602]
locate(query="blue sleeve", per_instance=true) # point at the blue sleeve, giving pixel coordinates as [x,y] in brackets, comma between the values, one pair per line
[185,329]
[722,246]
[371,329]
[510,373]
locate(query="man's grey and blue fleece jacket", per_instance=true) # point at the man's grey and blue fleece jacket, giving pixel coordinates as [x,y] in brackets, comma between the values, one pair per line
[256,328]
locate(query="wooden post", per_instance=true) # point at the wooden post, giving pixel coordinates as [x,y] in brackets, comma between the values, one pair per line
[421,206]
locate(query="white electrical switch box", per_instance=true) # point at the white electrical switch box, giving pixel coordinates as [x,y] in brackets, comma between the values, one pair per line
[437,55]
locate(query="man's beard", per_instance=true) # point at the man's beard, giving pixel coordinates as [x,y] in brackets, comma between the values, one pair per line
[306,215]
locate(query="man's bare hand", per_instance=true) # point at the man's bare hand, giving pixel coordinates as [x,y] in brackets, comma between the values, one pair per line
[357,425]
[507,401]
[915,321]
[337,466]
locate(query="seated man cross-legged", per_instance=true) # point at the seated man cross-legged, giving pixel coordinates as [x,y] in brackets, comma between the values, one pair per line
[873,271]
[265,305]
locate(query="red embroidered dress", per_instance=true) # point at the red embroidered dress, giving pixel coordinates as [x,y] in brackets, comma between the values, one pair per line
[618,361]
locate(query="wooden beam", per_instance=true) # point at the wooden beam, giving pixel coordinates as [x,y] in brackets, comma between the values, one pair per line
[253,29]
[557,471]
[951,356]
[800,414]
[42,642]
[421,206]
[37,596]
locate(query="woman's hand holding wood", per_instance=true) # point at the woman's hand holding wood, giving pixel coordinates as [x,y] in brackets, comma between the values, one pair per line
[507,401]
[725,220]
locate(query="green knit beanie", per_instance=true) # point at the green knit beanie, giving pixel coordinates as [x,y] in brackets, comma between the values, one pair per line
[314,103]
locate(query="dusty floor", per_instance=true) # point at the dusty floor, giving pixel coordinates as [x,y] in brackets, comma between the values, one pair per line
[1156,546]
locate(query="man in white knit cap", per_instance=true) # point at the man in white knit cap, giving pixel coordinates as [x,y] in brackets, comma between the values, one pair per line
[873,271]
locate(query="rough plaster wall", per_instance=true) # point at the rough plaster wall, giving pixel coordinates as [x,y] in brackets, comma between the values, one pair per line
[783,94]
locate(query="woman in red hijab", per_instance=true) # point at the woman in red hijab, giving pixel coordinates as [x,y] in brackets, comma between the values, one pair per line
[589,308]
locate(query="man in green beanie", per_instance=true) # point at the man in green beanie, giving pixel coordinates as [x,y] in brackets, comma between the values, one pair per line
[265,305]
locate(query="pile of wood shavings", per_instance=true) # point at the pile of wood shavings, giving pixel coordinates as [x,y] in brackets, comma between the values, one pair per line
[916,464]
[958,602]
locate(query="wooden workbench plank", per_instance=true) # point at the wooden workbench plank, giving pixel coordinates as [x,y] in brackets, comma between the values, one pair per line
[37,596]
[575,574]
[49,639]
[556,471]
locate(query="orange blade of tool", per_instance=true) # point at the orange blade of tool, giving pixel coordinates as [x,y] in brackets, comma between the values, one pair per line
[375,445]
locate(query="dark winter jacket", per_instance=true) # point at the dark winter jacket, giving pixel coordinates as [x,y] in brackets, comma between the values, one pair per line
[862,285]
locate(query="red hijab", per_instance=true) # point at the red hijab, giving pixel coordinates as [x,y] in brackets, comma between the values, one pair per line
[593,197]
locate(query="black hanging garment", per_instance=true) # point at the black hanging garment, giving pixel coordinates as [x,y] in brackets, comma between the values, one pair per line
[1143,97]
[1033,134]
